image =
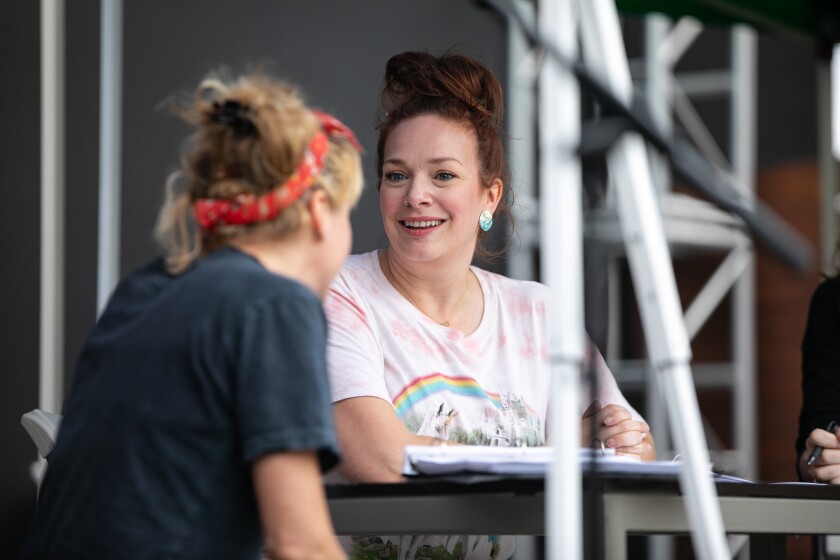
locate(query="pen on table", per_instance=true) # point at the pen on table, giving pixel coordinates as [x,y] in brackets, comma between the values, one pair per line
[815,454]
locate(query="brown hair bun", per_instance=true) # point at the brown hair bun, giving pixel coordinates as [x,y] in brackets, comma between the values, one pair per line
[457,88]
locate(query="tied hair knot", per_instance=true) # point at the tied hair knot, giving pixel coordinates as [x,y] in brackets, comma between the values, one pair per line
[232,113]
[246,208]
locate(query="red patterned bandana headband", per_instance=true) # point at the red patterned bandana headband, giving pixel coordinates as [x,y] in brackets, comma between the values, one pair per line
[248,208]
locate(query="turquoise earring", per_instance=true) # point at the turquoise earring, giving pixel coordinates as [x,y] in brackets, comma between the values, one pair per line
[485,221]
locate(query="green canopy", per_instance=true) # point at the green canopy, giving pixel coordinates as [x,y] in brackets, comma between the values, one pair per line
[814,20]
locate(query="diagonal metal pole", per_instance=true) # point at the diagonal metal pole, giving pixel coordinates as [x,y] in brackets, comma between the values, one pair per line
[653,279]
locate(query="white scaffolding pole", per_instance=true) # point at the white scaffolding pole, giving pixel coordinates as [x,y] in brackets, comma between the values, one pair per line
[110,145]
[521,123]
[659,62]
[561,221]
[742,134]
[828,148]
[658,68]
[51,341]
[521,126]
[654,282]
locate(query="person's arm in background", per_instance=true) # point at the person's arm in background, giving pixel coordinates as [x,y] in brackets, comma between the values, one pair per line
[826,468]
[290,495]
[820,386]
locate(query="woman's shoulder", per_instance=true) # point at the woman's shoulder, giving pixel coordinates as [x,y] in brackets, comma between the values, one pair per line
[360,295]
[240,274]
[363,262]
[830,285]
[358,271]
[827,295]
[236,284]
[507,286]
[360,283]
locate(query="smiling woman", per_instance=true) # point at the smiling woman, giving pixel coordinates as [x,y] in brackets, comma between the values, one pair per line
[431,192]
[423,347]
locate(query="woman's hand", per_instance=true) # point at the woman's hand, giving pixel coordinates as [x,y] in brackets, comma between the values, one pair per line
[615,428]
[827,466]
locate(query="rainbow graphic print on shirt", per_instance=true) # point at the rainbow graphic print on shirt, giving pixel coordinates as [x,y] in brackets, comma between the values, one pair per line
[432,405]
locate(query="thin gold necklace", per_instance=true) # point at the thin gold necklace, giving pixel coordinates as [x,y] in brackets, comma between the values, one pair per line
[420,307]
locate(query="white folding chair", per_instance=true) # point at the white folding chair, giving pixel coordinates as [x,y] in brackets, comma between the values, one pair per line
[42,427]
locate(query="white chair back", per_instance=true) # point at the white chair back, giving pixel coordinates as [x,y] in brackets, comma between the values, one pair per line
[42,427]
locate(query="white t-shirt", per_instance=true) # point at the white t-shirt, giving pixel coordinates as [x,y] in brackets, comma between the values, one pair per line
[490,387]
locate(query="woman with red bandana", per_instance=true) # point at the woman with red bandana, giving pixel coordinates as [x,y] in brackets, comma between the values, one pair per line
[199,421]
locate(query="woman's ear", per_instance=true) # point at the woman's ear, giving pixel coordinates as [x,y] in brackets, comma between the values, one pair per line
[494,194]
[319,212]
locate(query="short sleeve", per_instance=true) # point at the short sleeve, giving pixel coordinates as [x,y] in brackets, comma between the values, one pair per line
[354,356]
[282,385]
[608,391]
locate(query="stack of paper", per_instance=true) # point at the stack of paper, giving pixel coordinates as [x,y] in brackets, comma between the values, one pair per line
[520,461]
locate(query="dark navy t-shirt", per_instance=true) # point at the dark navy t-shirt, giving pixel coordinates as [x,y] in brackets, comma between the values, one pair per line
[181,385]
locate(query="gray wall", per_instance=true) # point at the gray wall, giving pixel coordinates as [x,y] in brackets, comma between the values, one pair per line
[335,50]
